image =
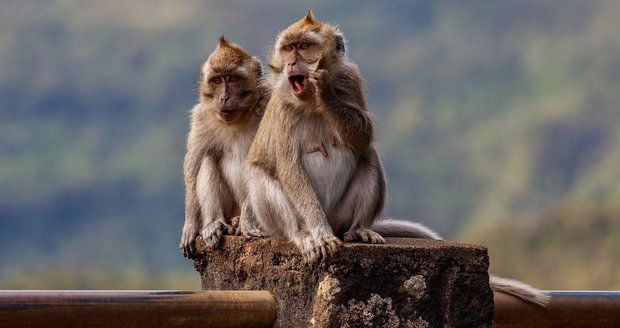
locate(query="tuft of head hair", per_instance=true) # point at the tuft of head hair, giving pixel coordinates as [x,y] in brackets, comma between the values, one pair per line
[223,42]
[227,56]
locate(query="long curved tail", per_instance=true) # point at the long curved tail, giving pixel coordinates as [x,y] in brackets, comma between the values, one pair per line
[402,228]
[519,289]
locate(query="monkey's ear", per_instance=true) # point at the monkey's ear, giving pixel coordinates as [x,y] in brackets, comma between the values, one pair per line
[309,19]
[259,69]
[223,42]
[340,44]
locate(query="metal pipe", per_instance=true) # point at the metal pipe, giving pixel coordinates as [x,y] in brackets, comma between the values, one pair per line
[115,308]
[566,309]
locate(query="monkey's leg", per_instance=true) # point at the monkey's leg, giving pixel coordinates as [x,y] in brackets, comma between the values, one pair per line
[215,200]
[361,203]
[273,209]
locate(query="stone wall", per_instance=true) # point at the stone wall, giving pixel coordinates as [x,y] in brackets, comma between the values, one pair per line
[404,283]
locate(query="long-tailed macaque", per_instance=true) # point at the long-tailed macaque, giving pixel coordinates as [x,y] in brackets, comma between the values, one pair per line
[223,124]
[313,173]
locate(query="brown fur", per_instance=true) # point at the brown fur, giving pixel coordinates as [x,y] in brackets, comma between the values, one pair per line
[213,143]
[329,130]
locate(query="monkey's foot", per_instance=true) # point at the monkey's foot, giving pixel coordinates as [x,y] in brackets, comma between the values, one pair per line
[212,233]
[363,235]
[187,246]
[321,249]
[246,228]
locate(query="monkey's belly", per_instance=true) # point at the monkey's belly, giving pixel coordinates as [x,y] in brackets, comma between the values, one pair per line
[329,175]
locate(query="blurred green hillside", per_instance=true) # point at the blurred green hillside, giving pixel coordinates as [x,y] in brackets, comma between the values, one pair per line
[497,122]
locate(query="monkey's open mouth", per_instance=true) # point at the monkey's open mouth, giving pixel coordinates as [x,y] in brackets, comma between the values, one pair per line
[298,83]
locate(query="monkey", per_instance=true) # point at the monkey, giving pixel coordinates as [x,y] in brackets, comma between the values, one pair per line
[232,99]
[313,174]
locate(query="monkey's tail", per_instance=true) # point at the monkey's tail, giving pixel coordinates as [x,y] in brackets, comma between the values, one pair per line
[401,228]
[519,289]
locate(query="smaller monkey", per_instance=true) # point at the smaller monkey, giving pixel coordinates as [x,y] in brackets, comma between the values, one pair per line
[223,124]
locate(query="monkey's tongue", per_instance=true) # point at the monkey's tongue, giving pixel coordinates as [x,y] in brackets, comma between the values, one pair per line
[298,86]
[297,82]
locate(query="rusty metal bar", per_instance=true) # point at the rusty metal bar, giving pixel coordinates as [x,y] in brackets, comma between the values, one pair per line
[566,309]
[115,308]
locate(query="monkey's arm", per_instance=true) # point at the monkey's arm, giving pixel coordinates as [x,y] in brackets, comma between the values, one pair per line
[206,202]
[191,166]
[343,98]
[297,187]
[216,201]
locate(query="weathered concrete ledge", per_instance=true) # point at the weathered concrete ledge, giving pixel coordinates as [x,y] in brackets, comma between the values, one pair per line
[404,283]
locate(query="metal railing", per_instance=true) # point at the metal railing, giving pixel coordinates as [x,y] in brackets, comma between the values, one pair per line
[115,308]
[566,309]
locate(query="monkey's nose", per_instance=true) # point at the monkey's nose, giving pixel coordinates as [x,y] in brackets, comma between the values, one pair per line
[224,99]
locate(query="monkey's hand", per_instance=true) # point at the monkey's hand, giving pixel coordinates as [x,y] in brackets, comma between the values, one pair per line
[188,238]
[213,231]
[322,83]
[319,249]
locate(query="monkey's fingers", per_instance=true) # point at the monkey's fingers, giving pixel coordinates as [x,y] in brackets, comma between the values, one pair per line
[333,245]
[187,244]
[235,221]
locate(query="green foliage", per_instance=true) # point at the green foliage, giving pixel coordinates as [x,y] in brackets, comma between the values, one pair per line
[488,113]
[574,244]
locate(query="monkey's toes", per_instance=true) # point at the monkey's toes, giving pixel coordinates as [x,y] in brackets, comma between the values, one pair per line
[364,235]
[235,221]
[254,232]
[326,247]
[212,241]
[212,234]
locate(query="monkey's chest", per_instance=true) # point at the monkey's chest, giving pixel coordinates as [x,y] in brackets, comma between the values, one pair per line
[329,170]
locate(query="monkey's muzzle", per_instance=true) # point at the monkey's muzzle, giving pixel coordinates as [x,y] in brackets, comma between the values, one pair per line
[227,115]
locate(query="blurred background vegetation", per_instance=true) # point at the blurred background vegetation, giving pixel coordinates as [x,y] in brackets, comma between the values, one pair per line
[498,123]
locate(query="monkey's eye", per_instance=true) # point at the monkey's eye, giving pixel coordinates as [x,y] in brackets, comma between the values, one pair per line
[233,78]
[216,80]
[288,47]
[303,46]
